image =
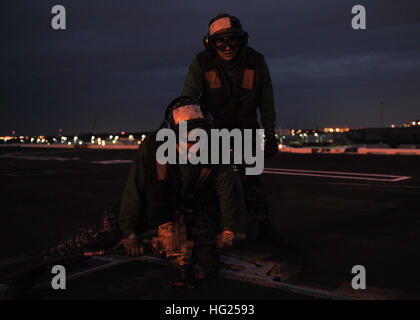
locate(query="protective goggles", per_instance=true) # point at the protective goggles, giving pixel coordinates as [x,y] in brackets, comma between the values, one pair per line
[222,43]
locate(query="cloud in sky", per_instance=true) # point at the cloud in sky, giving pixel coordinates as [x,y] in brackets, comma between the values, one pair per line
[121,62]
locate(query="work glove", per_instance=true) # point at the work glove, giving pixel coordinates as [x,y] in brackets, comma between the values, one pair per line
[132,246]
[271,145]
[226,239]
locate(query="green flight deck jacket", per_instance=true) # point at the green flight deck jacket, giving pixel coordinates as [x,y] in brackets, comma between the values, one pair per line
[146,202]
[248,63]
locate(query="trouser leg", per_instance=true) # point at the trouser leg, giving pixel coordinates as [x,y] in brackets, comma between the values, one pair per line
[255,197]
[259,209]
[205,258]
[99,236]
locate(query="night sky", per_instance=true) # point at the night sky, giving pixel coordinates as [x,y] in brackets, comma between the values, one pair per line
[121,62]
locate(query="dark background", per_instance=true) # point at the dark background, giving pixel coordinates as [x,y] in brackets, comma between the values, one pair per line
[121,62]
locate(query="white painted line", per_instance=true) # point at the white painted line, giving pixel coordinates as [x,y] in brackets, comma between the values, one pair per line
[401,179]
[30,174]
[375,185]
[16,259]
[335,172]
[337,175]
[112,161]
[28,156]
[333,176]
[250,275]
[371,293]
[110,262]
[284,286]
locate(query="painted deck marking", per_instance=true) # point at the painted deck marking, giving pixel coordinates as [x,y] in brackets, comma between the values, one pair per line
[337,175]
[252,275]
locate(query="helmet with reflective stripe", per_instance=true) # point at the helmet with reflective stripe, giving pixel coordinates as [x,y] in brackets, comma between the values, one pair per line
[225,27]
[190,110]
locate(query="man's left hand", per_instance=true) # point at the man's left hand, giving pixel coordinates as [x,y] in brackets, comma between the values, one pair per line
[271,146]
[132,246]
[226,239]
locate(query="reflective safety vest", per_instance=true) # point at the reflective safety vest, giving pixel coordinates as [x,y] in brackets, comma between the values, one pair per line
[232,107]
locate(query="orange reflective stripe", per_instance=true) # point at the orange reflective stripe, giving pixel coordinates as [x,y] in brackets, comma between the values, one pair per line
[161,171]
[186,113]
[213,79]
[220,24]
[204,174]
[248,80]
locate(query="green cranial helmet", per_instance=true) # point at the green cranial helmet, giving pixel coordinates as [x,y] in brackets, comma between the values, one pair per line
[190,110]
[225,30]
[225,24]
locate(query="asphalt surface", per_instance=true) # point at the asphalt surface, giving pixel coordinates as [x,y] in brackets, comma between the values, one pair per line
[339,210]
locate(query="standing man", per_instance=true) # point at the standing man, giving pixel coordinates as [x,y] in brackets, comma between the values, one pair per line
[233,81]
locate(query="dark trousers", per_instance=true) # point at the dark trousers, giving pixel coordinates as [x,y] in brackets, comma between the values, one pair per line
[255,197]
[103,235]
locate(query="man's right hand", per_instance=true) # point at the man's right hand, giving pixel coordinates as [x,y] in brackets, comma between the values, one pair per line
[226,239]
[271,146]
[132,246]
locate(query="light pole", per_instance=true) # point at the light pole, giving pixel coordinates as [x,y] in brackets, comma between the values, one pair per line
[382,114]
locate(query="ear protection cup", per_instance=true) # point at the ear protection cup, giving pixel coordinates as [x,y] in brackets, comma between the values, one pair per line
[206,42]
[165,124]
[245,39]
